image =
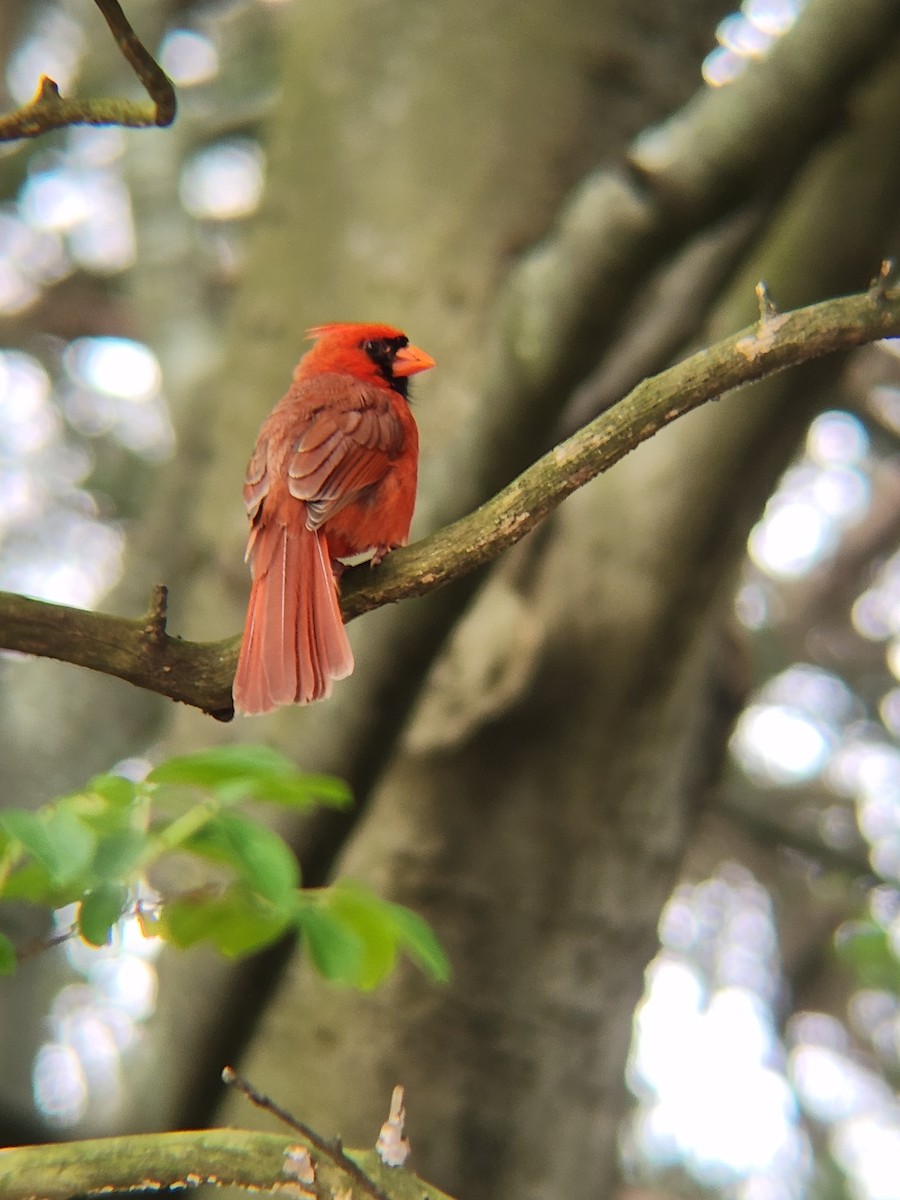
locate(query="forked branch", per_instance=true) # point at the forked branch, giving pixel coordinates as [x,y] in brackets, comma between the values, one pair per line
[49,110]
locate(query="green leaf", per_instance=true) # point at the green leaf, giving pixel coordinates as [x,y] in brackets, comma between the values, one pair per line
[261,858]
[55,837]
[240,772]
[7,956]
[354,936]
[386,928]
[367,917]
[210,768]
[114,789]
[117,853]
[335,948]
[99,911]
[105,803]
[184,923]
[244,927]
[299,791]
[233,922]
[28,828]
[418,939]
[31,882]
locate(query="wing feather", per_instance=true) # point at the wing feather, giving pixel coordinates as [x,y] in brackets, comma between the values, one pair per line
[343,450]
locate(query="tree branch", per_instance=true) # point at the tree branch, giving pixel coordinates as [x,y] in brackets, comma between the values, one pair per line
[48,110]
[776,342]
[196,673]
[259,1162]
[200,673]
[333,1151]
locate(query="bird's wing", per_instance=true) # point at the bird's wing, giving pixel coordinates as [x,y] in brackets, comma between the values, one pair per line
[256,488]
[256,478]
[345,446]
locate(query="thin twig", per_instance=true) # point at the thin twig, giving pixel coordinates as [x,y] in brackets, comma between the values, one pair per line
[38,946]
[155,81]
[333,1151]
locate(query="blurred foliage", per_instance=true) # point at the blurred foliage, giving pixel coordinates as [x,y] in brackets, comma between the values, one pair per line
[96,847]
[866,949]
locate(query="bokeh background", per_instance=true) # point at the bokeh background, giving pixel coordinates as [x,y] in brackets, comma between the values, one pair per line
[644,775]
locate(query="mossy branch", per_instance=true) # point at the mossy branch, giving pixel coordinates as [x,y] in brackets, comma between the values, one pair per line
[200,673]
[259,1162]
[49,110]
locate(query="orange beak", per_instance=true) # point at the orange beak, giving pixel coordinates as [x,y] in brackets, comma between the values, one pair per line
[410,360]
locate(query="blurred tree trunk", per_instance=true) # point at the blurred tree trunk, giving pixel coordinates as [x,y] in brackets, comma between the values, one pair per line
[534,795]
[535,798]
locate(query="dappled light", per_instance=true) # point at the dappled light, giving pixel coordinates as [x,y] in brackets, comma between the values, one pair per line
[92,1025]
[856,1105]
[57,542]
[54,544]
[788,734]
[819,498]
[778,744]
[707,1064]
[188,57]
[72,218]
[30,260]
[54,44]
[223,182]
[876,611]
[744,1076]
[748,34]
[114,386]
[82,196]
[804,726]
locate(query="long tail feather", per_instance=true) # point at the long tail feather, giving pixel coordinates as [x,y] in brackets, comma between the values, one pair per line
[295,644]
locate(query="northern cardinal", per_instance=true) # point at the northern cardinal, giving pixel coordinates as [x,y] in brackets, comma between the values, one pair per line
[333,475]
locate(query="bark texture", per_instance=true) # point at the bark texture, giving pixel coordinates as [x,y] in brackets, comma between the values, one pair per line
[533,793]
[539,805]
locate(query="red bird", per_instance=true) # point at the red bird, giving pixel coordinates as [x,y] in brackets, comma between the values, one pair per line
[333,475]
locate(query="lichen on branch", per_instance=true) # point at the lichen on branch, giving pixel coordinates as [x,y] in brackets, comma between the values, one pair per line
[200,673]
[49,110]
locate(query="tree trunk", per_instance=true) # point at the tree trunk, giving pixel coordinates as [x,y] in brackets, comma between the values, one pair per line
[539,805]
[533,794]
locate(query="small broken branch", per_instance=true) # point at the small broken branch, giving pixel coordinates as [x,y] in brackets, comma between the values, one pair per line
[155,623]
[49,110]
[334,1151]
[196,673]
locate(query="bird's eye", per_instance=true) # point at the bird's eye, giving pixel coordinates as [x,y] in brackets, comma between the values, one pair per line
[368,347]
